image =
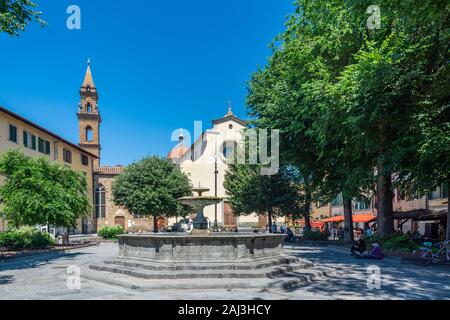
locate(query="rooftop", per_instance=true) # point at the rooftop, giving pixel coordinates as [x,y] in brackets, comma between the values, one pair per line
[38,127]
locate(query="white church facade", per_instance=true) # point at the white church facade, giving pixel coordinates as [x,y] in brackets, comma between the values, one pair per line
[211,151]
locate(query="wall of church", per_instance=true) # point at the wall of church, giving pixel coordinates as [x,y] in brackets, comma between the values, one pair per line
[116,215]
[201,169]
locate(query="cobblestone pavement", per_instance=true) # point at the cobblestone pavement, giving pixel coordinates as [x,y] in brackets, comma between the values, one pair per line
[45,277]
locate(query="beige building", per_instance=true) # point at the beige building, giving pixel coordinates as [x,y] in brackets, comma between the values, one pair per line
[215,147]
[33,140]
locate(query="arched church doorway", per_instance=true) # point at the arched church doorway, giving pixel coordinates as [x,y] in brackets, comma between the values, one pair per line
[120,221]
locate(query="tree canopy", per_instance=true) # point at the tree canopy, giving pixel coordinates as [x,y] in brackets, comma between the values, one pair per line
[40,192]
[349,99]
[274,195]
[15,15]
[151,187]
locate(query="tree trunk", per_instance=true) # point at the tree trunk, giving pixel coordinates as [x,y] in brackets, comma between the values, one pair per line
[349,235]
[269,215]
[308,223]
[448,211]
[385,197]
[308,200]
[155,224]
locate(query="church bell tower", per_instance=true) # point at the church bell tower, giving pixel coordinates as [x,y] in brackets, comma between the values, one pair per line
[89,119]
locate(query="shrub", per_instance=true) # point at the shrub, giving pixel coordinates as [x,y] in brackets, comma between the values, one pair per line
[110,233]
[316,236]
[25,238]
[392,242]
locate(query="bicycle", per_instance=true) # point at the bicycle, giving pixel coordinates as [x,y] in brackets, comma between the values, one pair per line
[425,256]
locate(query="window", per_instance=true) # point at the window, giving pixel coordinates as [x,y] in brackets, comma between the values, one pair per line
[67,156]
[47,147]
[84,160]
[26,139]
[100,200]
[89,108]
[439,193]
[138,216]
[12,133]
[33,142]
[338,201]
[89,134]
[55,152]
[43,146]
[361,204]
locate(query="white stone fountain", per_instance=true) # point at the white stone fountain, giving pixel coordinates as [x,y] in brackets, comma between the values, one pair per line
[198,203]
[201,254]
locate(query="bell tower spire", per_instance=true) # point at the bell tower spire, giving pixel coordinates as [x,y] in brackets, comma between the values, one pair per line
[89,119]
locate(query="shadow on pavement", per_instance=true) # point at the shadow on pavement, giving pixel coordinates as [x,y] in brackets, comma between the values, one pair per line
[6,279]
[38,261]
[398,281]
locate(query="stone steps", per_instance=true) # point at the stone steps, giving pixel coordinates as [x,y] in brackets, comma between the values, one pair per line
[286,281]
[137,271]
[198,266]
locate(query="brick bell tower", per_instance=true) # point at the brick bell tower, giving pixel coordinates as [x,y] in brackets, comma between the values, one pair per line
[89,119]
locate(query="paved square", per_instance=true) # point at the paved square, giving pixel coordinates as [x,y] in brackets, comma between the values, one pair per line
[45,277]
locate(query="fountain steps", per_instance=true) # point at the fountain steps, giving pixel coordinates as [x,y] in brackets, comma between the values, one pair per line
[199,265]
[271,268]
[289,280]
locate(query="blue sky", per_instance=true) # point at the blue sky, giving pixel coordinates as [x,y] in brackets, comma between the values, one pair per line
[158,66]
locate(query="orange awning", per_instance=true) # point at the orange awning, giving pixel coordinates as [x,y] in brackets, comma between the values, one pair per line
[357,218]
[363,218]
[314,224]
[334,219]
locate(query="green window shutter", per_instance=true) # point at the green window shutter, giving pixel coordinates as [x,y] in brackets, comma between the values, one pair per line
[47,147]
[25,139]
[12,133]
[33,142]
[40,145]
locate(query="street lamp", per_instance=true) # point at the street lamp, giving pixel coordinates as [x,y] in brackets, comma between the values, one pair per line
[216,172]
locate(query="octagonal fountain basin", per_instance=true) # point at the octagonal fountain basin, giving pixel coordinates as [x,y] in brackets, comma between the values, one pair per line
[214,247]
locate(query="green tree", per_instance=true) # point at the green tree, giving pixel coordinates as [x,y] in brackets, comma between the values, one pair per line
[274,195]
[396,76]
[430,169]
[39,192]
[348,97]
[294,93]
[152,187]
[15,15]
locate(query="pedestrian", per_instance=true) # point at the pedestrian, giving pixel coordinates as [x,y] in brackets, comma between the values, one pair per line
[375,254]
[341,233]
[274,228]
[290,237]
[358,248]
[333,232]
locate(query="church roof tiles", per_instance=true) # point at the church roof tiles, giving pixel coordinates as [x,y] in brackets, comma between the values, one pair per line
[109,170]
